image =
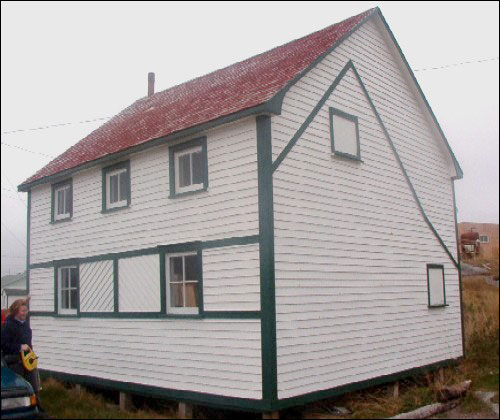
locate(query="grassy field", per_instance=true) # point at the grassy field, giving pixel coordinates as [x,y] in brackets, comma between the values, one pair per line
[481,313]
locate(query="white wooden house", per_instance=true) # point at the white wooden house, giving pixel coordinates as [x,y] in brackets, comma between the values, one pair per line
[278,231]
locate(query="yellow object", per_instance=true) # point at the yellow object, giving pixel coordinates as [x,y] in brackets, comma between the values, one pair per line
[29,359]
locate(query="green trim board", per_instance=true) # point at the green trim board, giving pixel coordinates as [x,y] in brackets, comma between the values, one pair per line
[120,165]
[243,404]
[314,112]
[53,189]
[157,315]
[266,256]
[172,150]
[28,241]
[439,267]
[458,169]
[460,283]
[116,287]
[352,118]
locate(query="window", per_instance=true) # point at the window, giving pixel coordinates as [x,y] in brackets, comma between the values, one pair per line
[183,279]
[116,191]
[436,285]
[62,201]
[188,167]
[344,134]
[484,239]
[67,290]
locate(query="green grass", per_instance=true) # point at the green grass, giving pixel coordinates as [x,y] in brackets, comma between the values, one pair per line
[62,402]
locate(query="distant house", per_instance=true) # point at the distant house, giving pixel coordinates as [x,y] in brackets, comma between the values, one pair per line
[278,231]
[487,234]
[13,287]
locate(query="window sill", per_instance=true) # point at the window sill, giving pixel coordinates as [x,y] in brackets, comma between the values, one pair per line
[115,209]
[67,219]
[188,193]
[438,306]
[346,156]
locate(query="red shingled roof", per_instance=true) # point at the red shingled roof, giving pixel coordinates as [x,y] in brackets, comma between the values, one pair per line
[232,89]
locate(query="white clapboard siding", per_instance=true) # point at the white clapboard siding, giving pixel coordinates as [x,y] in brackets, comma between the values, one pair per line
[139,284]
[96,287]
[231,278]
[41,289]
[351,250]
[220,357]
[228,209]
[419,147]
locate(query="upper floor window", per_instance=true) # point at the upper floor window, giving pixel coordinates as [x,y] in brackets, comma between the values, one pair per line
[116,182]
[67,290]
[188,167]
[344,132]
[62,201]
[183,283]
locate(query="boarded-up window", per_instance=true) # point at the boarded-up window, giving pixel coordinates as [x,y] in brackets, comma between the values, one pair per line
[344,133]
[436,285]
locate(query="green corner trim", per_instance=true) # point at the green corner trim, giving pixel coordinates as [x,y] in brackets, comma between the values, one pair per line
[28,239]
[460,283]
[266,253]
[458,169]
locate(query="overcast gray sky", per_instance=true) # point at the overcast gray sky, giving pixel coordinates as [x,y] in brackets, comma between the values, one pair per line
[72,62]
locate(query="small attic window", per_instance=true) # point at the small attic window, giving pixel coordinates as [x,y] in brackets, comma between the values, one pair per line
[62,201]
[344,134]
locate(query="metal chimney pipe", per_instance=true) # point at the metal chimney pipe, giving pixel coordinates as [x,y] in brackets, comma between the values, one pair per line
[151,83]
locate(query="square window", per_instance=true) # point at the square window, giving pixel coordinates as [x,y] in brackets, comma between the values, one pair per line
[183,281]
[67,290]
[188,167]
[436,285]
[62,201]
[116,183]
[344,132]
[484,239]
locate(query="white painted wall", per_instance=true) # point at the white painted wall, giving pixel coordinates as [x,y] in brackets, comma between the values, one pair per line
[96,287]
[211,356]
[139,284]
[228,209]
[42,289]
[351,246]
[231,278]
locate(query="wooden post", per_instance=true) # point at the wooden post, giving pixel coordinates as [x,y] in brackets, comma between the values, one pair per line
[271,415]
[125,401]
[439,376]
[185,411]
[395,389]
[78,389]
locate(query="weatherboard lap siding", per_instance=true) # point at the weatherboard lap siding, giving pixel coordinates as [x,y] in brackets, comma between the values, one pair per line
[351,246]
[228,209]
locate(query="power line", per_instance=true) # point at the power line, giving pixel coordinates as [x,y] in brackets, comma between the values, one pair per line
[458,64]
[14,235]
[54,125]
[27,150]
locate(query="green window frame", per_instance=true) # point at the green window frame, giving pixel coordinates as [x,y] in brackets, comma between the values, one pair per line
[334,112]
[116,194]
[67,289]
[188,167]
[61,201]
[435,275]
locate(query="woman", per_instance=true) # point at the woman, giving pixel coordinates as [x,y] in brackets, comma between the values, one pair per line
[16,337]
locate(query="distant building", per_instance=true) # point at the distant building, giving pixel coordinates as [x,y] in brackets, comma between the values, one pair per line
[488,236]
[13,287]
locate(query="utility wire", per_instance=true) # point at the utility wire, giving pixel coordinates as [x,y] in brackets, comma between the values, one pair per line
[13,234]
[458,64]
[107,118]
[55,125]
[26,150]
